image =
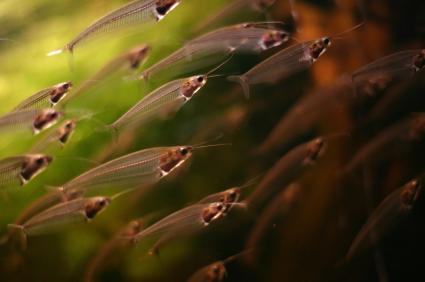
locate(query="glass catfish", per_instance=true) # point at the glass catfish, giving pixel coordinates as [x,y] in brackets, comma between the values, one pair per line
[228,197]
[135,12]
[189,220]
[306,114]
[129,60]
[376,75]
[35,119]
[48,97]
[60,135]
[245,38]
[398,135]
[138,169]
[393,209]
[21,169]
[214,272]
[286,169]
[108,251]
[163,101]
[287,62]
[78,210]
[185,221]
[280,205]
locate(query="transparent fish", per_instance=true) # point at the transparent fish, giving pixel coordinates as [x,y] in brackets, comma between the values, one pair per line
[246,38]
[388,104]
[34,119]
[78,210]
[130,60]
[228,197]
[279,205]
[48,97]
[214,272]
[306,114]
[375,76]
[110,248]
[287,62]
[138,169]
[286,169]
[21,169]
[393,209]
[406,131]
[185,221]
[60,136]
[163,101]
[135,12]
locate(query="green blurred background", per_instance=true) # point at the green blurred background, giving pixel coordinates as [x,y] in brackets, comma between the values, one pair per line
[303,247]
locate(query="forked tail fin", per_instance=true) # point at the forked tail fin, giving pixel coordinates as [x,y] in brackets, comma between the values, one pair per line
[243,81]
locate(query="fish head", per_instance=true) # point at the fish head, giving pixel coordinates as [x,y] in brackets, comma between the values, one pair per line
[45,119]
[317,48]
[193,85]
[33,165]
[215,272]
[314,150]
[417,128]
[163,7]
[95,205]
[59,91]
[174,158]
[138,55]
[212,212]
[229,197]
[273,38]
[410,193]
[66,130]
[133,227]
[419,61]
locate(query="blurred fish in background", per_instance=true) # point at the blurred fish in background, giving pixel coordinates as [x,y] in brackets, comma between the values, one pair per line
[332,136]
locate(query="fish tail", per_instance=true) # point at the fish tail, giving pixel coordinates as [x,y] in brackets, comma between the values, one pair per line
[243,81]
[21,232]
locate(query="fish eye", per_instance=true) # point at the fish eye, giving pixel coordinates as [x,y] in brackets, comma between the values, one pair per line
[184,151]
[415,183]
[102,202]
[215,269]
[319,142]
